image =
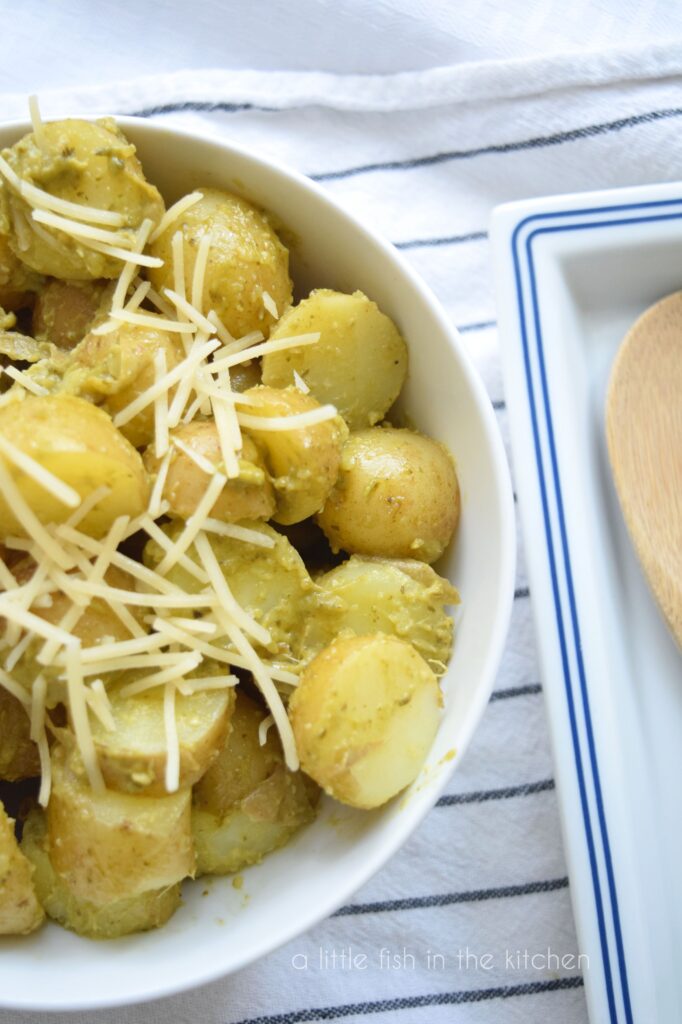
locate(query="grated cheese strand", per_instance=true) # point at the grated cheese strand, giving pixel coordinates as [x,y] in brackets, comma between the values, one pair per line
[27,518]
[38,695]
[118,253]
[43,477]
[300,383]
[297,421]
[199,275]
[278,345]
[170,725]
[167,675]
[222,589]
[15,689]
[194,524]
[188,564]
[41,200]
[45,770]
[84,233]
[159,484]
[98,701]
[25,381]
[192,314]
[186,366]
[263,729]
[199,460]
[161,441]
[267,688]
[237,532]
[270,305]
[130,269]
[176,211]
[78,713]
[229,434]
[36,121]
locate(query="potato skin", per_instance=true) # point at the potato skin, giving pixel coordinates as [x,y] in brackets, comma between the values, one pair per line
[248,804]
[18,753]
[359,363]
[133,757]
[364,715]
[115,368]
[246,258]
[304,463]
[78,443]
[249,496]
[18,283]
[121,917]
[110,846]
[90,162]
[396,496]
[65,310]
[20,911]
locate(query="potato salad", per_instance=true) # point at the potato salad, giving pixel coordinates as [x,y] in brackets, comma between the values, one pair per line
[217,537]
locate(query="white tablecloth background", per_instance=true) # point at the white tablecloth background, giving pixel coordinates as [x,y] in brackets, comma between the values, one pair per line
[444,128]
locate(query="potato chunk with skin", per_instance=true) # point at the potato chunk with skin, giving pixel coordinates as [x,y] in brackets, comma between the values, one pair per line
[79,444]
[18,753]
[271,584]
[65,310]
[303,462]
[396,496]
[248,496]
[364,715]
[20,911]
[248,804]
[115,368]
[110,921]
[359,363]
[132,757]
[18,283]
[245,260]
[372,595]
[110,846]
[85,162]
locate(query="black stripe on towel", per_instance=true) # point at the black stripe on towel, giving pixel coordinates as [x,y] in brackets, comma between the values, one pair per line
[516,691]
[476,995]
[447,899]
[589,131]
[483,795]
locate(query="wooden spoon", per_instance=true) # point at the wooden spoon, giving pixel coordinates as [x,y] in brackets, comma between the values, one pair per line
[644,437]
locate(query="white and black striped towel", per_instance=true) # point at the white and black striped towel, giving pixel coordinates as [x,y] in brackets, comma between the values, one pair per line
[423,157]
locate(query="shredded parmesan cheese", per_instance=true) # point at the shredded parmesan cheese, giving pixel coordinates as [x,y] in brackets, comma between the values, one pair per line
[41,200]
[300,383]
[174,213]
[270,305]
[48,481]
[297,421]
[25,381]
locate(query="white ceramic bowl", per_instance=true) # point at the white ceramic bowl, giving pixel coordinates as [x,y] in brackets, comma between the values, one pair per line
[296,887]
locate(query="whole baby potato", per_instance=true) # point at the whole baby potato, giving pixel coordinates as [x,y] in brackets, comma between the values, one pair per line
[396,496]
[109,846]
[364,715]
[245,260]
[78,443]
[248,496]
[123,916]
[115,368]
[303,462]
[359,363]
[86,162]
[64,311]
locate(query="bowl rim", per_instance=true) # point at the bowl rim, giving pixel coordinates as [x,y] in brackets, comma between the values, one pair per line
[166,985]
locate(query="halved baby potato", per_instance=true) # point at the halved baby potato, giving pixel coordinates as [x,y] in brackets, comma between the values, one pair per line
[20,911]
[65,310]
[248,496]
[110,921]
[248,803]
[399,597]
[133,756]
[78,443]
[358,364]
[303,462]
[364,715]
[109,846]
